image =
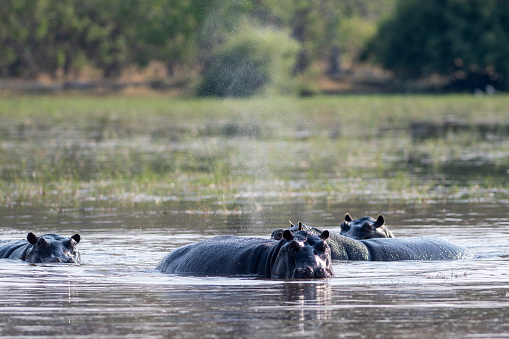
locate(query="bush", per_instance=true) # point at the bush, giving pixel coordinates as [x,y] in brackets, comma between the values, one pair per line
[254,60]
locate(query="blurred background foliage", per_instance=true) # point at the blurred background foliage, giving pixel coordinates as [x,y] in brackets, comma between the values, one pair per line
[251,60]
[245,47]
[467,40]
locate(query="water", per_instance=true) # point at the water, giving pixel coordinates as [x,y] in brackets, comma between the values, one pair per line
[116,293]
[188,171]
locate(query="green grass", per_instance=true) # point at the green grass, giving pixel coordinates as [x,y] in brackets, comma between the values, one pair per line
[67,150]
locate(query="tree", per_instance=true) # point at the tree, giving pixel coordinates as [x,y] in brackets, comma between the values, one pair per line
[45,36]
[24,26]
[465,40]
[325,29]
[60,37]
[253,60]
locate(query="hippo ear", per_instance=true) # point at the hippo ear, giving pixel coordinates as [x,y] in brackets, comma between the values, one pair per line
[32,238]
[76,238]
[300,226]
[291,223]
[348,217]
[277,234]
[380,221]
[324,235]
[288,235]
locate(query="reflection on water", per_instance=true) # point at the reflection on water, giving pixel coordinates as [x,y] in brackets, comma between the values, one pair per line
[116,292]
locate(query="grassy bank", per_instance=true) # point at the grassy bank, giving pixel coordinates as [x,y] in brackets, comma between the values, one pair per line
[69,150]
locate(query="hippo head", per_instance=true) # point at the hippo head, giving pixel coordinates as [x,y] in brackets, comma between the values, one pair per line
[365,228]
[302,255]
[52,248]
[278,234]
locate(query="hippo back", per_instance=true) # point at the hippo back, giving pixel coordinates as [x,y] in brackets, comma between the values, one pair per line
[387,249]
[13,249]
[229,255]
[345,248]
[419,248]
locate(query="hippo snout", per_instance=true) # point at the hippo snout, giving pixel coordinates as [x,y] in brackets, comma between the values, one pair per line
[60,260]
[310,273]
[322,272]
[303,273]
[54,259]
[70,261]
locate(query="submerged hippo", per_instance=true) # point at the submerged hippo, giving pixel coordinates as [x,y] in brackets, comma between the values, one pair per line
[46,248]
[365,228]
[297,255]
[385,249]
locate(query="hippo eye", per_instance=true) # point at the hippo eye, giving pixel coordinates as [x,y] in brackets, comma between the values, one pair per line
[41,243]
[367,227]
[345,227]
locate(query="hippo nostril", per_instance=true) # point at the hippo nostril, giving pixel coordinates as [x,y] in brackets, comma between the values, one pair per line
[54,259]
[303,273]
[323,273]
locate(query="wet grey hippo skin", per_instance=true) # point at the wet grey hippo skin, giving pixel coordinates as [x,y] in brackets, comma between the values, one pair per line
[362,228]
[297,255]
[387,249]
[365,228]
[46,248]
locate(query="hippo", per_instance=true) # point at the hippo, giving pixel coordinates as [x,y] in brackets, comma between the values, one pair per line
[365,228]
[385,249]
[297,255]
[43,249]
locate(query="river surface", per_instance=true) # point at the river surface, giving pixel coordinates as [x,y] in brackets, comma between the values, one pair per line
[116,292]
